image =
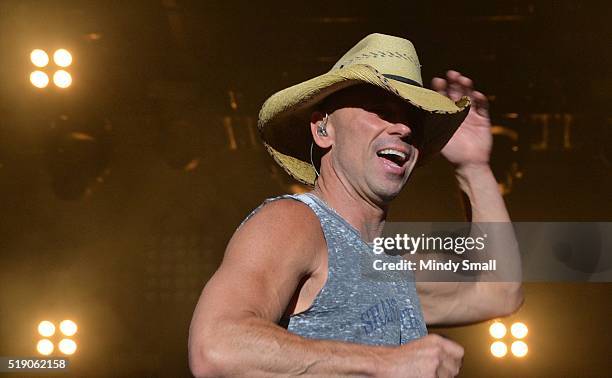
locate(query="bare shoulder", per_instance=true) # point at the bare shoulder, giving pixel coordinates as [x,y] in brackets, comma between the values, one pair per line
[263,264]
[284,212]
[285,227]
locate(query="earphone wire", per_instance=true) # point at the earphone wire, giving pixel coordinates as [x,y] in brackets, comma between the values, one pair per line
[311,162]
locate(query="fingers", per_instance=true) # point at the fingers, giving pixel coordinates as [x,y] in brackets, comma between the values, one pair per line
[456,86]
[448,368]
[480,103]
[433,355]
[439,85]
[452,348]
[452,360]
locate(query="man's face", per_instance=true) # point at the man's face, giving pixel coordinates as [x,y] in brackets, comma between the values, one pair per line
[376,136]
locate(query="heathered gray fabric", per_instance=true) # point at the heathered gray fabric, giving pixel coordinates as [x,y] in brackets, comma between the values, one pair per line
[355,305]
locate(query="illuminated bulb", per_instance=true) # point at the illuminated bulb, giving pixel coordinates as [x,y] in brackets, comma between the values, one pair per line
[62,58]
[519,330]
[62,79]
[44,347]
[39,58]
[46,328]
[39,79]
[519,348]
[499,349]
[67,346]
[68,327]
[497,330]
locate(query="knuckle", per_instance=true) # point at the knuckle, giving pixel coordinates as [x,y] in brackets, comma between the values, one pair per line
[436,352]
[433,364]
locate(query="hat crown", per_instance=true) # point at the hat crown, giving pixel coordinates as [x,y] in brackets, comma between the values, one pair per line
[392,56]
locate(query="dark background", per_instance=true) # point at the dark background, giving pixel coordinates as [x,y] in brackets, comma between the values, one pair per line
[119,194]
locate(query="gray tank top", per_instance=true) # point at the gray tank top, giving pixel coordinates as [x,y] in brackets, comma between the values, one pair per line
[356,305]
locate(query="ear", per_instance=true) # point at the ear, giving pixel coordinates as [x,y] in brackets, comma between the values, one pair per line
[323,142]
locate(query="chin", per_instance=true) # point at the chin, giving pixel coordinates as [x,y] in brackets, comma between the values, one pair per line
[389,193]
[387,187]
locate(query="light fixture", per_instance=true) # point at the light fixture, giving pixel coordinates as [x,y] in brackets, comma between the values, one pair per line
[62,79]
[68,327]
[46,328]
[67,346]
[497,330]
[499,349]
[39,79]
[39,58]
[519,348]
[62,58]
[519,330]
[44,347]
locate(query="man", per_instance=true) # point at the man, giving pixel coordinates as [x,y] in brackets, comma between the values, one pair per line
[289,298]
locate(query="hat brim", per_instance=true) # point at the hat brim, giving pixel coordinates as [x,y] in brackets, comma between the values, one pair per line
[285,116]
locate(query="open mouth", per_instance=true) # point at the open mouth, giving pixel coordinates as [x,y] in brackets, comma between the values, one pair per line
[394,156]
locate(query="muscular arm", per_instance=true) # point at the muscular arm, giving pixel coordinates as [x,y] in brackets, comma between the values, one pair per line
[446,303]
[469,151]
[234,330]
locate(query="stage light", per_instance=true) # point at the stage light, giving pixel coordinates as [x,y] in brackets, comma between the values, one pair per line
[39,79]
[497,330]
[499,349]
[46,328]
[519,348]
[519,330]
[44,347]
[67,346]
[68,327]
[62,79]
[39,58]
[62,58]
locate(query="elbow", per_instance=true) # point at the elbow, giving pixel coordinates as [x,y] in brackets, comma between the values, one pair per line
[206,360]
[516,298]
[512,296]
[502,299]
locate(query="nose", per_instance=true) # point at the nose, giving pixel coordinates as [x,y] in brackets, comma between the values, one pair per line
[402,130]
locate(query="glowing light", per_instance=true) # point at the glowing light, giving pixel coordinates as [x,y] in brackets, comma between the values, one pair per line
[519,330]
[499,349]
[62,58]
[497,330]
[46,328]
[67,346]
[62,79]
[39,79]
[68,327]
[44,347]
[519,348]
[39,58]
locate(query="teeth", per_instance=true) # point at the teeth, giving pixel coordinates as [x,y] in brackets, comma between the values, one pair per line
[390,151]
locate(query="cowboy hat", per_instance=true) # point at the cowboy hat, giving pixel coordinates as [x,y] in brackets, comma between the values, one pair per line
[387,62]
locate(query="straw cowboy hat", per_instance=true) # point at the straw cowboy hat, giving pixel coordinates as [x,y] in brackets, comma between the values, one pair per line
[388,62]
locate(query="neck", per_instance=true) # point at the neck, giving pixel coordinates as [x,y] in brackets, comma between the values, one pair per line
[360,212]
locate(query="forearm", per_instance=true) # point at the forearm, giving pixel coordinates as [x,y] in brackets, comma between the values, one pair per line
[479,185]
[256,347]
[501,287]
